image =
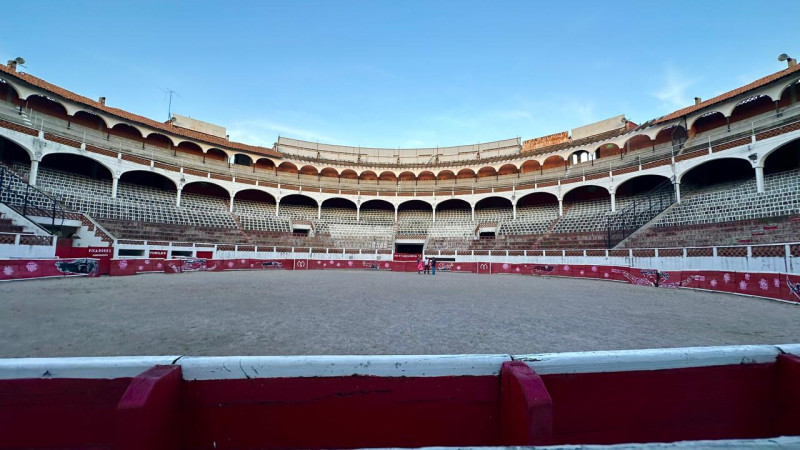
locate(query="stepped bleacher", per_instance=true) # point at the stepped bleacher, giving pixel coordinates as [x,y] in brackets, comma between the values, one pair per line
[728,214]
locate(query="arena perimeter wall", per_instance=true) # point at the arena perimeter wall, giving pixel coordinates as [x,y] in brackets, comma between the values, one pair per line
[772,285]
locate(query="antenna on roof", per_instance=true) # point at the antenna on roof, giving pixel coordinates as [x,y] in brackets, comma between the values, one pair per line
[169,92]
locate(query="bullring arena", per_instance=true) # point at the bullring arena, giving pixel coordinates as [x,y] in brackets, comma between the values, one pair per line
[619,282]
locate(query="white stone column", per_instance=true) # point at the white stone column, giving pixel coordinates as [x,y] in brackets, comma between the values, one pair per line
[319,211]
[358,213]
[178,199]
[560,207]
[514,210]
[34,172]
[760,179]
[678,192]
[395,214]
[230,208]
[114,184]
[277,208]
[434,214]
[613,201]
[473,213]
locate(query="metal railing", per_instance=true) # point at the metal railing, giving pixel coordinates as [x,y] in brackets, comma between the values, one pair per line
[28,200]
[643,209]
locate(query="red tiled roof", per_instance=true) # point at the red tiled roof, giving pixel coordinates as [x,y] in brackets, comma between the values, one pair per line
[730,94]
[69,95]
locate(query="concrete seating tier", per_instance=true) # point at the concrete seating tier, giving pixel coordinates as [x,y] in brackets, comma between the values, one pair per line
[753,231]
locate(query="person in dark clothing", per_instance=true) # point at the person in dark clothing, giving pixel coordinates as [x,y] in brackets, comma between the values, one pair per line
[433,266]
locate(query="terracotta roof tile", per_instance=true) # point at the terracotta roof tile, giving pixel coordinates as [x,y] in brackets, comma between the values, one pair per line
[69,95]
[730,94]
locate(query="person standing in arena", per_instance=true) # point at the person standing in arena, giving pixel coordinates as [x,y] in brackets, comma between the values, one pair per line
[420,266]
[433,266]
[427,266]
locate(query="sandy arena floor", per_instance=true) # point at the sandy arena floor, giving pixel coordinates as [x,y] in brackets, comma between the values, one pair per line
[337,312]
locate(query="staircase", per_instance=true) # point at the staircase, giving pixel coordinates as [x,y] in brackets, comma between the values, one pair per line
[642,211]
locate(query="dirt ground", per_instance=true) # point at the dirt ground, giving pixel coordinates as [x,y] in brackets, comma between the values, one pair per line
[339,312]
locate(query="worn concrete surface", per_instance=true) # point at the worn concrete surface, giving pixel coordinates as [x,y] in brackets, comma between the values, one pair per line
[338,312]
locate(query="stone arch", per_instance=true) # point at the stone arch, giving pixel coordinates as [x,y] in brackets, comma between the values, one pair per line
[789,94]
[70,162]
[637,142]
[207,187]
[415,205]
[329,172]
[453,203]
[508,169]
[309,170]
[493,201]
[407,176]
[445,175]
[377,203]
[213,154]
[751,106]
[254,194]
[9,146]
[705,122]
[368,175]
[639,183]
[537,199]
[552,162]
[426,175]
[607,150]
[264,163]
[159,140]
[465,173]
[388,175]
[47,105]
[148,178]
[669,134]
[717,170]
[287,167]
[89,120]
[299,199]
[339,202]
[487,171]
[349,174]
[190,148]
[126,131]
[782,157]
[586,192]
[242,159]
[530,165]
[579,156]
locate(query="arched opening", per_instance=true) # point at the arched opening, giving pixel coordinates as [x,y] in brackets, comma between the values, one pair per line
[205,196]
[158,140]
[379,212]
[349,174]
[453,204]
[407,176]
[73,164]
[206,189]
[626,192]
[388,176]
[486,172]
[329,172]
[88,120]
[579,156]
[187,148]
[530,166]
[47,105]
[368,175]
[151,180]
[717,171]
[254,195]
[587,194]
[553,162]
[242,160]
[13,155]
[507,169]
[638,142]
[446,175]
[339,210]
[264,164]
[287,167]
[309,170]
[9,94]
[789,95]
[537,200]
[216,155]
[255,204]
[707,122]
[426,176]
[415,205]
[607,151]
[465,174]
[493,203]
[125,131]
[298,207]
[784,158]
[750,107]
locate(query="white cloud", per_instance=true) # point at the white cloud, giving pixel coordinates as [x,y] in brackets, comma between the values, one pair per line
[582,111]
[674,91]
[265,132]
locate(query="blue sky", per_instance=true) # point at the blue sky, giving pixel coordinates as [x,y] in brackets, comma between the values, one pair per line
[400,74]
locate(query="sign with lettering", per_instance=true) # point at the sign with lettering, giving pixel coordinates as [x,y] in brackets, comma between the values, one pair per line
[545,141]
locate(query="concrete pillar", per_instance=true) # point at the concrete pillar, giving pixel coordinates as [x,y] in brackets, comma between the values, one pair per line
[473,213]
[230,208]
[178,200]
[434,214]
[760,179]
[319,211]
[560,207]
[114,183]
[395,214]
[613,201]
[277,208]
[358,213]
[514,210]
[678,192]
[34,172]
